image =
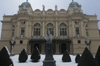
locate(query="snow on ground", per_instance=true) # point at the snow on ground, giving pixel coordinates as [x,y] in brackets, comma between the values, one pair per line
[58,59]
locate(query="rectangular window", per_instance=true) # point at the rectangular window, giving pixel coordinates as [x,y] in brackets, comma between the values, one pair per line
[22,31]
[79,41]
[21,42]
[50,14]
[77,31]
[63,31]
[51,30]
[36,31]
[62,14]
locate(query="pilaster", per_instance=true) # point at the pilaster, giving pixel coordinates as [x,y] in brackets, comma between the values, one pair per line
[56,29]
[18,28]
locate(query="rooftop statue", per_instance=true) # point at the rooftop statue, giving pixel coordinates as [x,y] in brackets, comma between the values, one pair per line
[43,7]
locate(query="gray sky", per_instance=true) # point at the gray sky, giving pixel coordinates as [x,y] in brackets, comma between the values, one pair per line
[10,7]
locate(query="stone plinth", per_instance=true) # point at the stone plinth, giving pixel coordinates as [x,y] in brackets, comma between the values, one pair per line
[49,60]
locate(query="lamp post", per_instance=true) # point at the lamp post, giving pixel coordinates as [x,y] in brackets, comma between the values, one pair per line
[12,43]
[88,42]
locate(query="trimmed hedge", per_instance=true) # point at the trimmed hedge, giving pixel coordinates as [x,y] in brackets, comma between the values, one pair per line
[77,58]
[23,56]
[97,57]
[35,55]
[87,59]
[5,58]
[66,57]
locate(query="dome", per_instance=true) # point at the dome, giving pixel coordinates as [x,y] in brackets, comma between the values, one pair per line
[74,4]
[25,4]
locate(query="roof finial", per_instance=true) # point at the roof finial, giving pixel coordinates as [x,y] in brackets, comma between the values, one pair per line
[56,7]
[26,0]
[72,0]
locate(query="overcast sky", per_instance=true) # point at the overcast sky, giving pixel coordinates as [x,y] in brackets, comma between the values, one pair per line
[10,7]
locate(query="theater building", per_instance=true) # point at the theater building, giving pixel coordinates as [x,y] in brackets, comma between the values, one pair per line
[69,29]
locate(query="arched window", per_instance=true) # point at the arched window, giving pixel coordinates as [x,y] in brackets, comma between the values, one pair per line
[62,24]
[37,25]
[63,29]
[37,30]
[50,25]
[50,28]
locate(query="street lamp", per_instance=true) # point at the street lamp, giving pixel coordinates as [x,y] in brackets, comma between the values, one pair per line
[88,42]
[12,43]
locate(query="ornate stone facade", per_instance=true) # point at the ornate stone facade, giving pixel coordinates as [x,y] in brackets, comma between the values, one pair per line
[69,28]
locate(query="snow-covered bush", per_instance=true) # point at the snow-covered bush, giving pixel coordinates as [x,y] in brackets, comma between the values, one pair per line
[66,57]
[77,58]
[5,58]
[23,56]
[97,57]
[35,55]
[87,59]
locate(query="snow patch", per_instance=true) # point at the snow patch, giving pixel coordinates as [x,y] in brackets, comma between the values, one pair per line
[57,58]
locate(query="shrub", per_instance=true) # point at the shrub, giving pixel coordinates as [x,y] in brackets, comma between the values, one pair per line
[35,55]
[87,59]
[5,58]
[77,58]
[23,56]
[97,57]
[66,57]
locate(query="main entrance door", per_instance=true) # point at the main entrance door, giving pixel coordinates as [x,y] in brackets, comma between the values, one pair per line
[64,47]
[34,46]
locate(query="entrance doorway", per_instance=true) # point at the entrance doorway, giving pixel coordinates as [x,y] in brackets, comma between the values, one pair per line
[34,46]
[63,48]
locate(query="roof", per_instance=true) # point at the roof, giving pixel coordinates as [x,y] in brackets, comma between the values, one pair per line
[25,4]
[74,4]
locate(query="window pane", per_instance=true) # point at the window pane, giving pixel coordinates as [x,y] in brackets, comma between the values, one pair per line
[77,31]
[22,31]
[63,31]
[62,24]
[37,25]
[36,31]
[50,24]
[51,30]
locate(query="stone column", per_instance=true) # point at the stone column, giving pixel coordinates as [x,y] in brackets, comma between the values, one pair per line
[43,48]
[70,28]
[26,30]
[43,32]
[73,28]
[82,29]
[57,48]
[30,30]
[56,29]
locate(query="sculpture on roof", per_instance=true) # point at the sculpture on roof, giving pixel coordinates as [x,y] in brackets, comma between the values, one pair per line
[43,7]
[56,7]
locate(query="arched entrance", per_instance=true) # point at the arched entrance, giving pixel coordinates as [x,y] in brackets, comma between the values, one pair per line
[64,47]
[34,46]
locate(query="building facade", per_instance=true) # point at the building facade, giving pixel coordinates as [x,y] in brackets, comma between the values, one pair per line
[69,28]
